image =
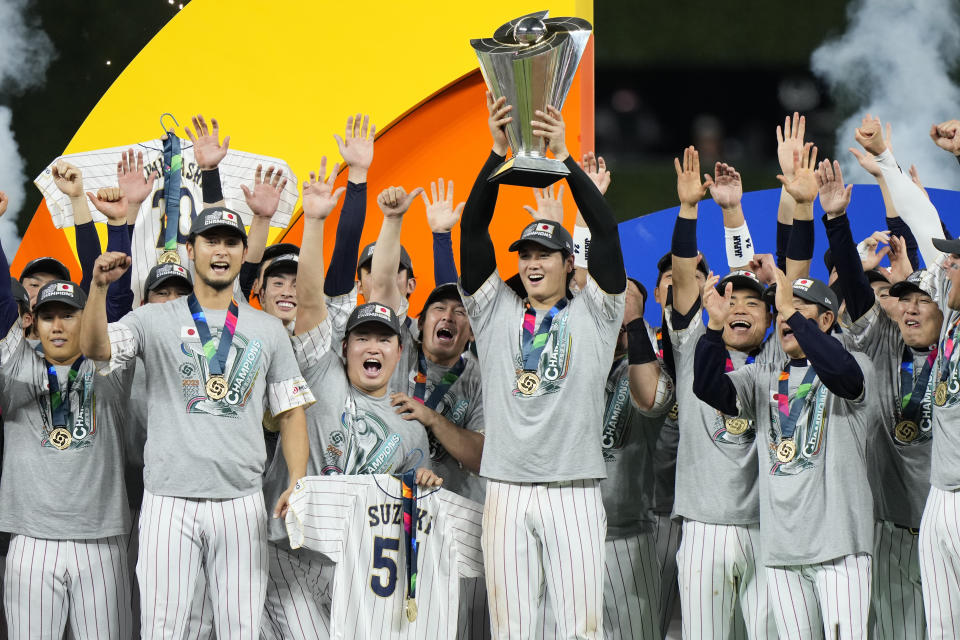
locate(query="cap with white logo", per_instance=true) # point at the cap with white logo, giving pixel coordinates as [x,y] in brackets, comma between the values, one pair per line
[817,292]
[213,217]
[546,233]
[63,291]
[742,279]
[164,272]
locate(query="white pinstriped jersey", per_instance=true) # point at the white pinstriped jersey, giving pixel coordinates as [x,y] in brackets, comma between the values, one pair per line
[100,170]
[357,522]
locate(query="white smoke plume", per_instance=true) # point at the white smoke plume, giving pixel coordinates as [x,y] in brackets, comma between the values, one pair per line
[894,61]
[25,53]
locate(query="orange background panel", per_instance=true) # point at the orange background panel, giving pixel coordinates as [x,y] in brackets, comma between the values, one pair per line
[447,137]
[43,239]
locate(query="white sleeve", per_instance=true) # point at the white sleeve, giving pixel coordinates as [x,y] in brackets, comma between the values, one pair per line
[124,347]
[309,347]
[739,246]
[913,206]
[11,343]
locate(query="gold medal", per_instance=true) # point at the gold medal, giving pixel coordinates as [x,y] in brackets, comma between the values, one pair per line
[216,387]
[411,609]
[674,412]
[736,426]
[60,438]
[786,450]
[528,382]
[906,431]
[940,395]
[169,257]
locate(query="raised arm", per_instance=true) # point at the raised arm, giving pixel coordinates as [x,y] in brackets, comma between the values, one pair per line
[710,383]
[113,204]
[478,259]
[802,187]
[596,169]
[94,336]
[134,185]
[69,180]
[319,199]
[209,151]
[263,200]
[789,139]
[356,147]
[726,189]
[644,369]
[393,202]
[9,312]
[686,290]
[442,216]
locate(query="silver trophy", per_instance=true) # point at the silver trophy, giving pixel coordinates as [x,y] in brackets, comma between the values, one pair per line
[531,60]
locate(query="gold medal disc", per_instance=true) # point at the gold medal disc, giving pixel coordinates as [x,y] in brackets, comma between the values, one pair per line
[528,382]
[737,426]
[786,450]
[906,431]
[60,438]
[169,257]
[411,609]
[940,395]
[217,387]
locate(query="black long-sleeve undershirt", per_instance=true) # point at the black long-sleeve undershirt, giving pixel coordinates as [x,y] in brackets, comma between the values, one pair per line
[900,228]
[478,258]
[837,369]
[856,289]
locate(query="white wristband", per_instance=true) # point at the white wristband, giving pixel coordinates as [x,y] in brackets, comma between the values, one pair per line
[581,246]
[739,246]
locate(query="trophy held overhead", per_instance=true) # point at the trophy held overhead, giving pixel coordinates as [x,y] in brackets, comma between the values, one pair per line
[531,60]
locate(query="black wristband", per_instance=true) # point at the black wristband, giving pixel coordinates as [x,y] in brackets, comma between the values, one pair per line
[210,184]
[639,348]
[684,243]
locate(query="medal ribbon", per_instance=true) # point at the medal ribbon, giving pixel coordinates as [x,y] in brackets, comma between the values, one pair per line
[408,486]
[60,402]
[533,343]
[728,367]
[915,391]
[420,387]
[791,412]
[216,354]
[948,347]
[660,344]
[172,164]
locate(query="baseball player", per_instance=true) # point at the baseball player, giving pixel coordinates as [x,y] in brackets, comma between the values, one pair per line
[814,412]
[716,483]
[903,350]
[542,461]
[354,431]
[359,523]
[62,495]
[213,368]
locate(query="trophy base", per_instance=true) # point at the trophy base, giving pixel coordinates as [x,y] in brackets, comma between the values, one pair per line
[526,171]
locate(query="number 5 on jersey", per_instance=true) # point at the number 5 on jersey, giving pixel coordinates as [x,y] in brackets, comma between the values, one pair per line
[381,561]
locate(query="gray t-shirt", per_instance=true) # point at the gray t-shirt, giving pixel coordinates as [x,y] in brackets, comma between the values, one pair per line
[628,440]
[899,459]
[550,435]
[818,506]
[350,432]
[462,405]
[197,447]
[945,454]
[716,469]
[60,483]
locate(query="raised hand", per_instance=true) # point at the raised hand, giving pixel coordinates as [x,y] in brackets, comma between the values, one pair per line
[356,145]
[633,310]
[394,201]
[689,188]
[726,188]
[551,126]
[900,267]
[111,202]
[68,178]
[946,135]
[784,297]
[548,206]
[4,201]
[834,196]
[802,185]
[319,198]
[130,178]
[596,169]
[717,306]
[498,117]
[109,267]
[442,216]
[206,143]
[765,266]
[874,246]
[264,199]
[870,135]
[790,139]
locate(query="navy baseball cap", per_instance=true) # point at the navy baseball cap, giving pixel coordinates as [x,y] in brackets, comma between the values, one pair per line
[164,272]
[279,249]
[951,245]
[214,217]
[665,263]
[373,312]
[286,263]
[875,275]
[46,264]
[366,256]
[546,233]
[63,291]
[446,291]
[742,279]
[813,290]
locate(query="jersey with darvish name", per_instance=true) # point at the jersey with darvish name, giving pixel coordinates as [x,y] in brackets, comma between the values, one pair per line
[99,170]
[357,521]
